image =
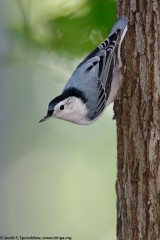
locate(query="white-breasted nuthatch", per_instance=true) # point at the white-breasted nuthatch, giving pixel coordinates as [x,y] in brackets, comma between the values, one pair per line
[95,82]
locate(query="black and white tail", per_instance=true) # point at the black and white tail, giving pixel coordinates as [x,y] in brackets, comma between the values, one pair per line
[114,39]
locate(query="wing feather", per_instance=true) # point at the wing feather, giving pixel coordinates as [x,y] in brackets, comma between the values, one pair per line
[94,75]
[102,60]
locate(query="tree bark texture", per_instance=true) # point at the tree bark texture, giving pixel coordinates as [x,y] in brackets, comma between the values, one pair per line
[138,124]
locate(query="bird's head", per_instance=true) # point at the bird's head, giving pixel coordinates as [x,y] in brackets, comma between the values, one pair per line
[69,106]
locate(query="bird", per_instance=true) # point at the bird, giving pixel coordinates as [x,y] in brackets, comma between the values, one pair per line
[95,82]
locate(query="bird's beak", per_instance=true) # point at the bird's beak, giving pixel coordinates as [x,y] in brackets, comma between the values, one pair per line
[44,119]
[49,114]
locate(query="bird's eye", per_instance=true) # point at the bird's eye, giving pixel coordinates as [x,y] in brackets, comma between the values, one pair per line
[61,107]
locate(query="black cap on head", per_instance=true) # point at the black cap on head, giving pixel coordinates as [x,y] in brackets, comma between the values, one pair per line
[70,92]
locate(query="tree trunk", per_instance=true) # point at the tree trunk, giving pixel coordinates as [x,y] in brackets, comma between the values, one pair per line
[138,124]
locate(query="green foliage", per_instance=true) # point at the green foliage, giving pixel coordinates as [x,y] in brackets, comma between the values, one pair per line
[83,33]
[75,32]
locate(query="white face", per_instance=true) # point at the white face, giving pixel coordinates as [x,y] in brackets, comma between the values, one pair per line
[71,109]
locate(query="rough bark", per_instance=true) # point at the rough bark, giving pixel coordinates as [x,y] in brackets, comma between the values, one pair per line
[138,124]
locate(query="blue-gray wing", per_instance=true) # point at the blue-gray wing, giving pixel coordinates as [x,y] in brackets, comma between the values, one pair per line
[93,76]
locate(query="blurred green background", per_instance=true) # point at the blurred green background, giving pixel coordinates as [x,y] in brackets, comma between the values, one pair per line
[56,178]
